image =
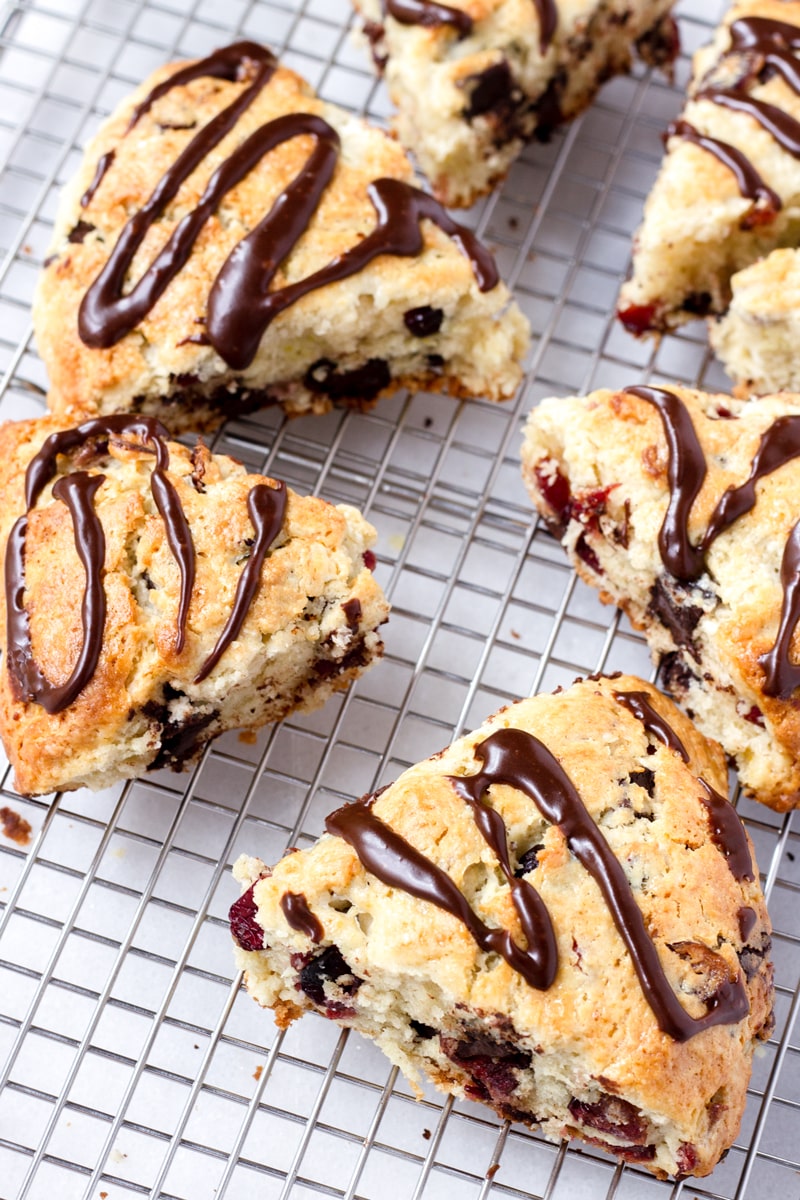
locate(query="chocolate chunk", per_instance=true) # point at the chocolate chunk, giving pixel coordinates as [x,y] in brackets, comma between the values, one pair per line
[680,618]
[422,1031]
[424,321]
[491,90]
[529,860]
[80,231]
[330,967]
[645,778]
[362,383]
[352,612]
[699,303]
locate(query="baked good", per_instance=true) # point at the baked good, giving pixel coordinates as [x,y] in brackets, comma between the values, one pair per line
[727,190]
[157,595]
[757,339]
[682,508]
[231,241]
[473,80]
[462,918]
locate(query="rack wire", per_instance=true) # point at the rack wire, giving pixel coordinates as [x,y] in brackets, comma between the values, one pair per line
[134,1064]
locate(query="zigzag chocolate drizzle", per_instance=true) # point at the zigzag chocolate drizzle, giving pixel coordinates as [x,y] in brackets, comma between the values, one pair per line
[779,444]
[519,760]
[266,507]
[430,14]
[769,43]
[240,307]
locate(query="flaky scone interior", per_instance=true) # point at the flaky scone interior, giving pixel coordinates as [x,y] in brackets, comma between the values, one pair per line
[156,596]
[473,80]
[230,240]
[728,191]
[558,915]
[682,507]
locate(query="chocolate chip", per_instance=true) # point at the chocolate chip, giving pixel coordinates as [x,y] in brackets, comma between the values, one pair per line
[646,779]
[80,231]
[422,1031]
[362,383]
[352,612]
[529,861]
[424,321]
[330,967]
[668,606]
[492,89]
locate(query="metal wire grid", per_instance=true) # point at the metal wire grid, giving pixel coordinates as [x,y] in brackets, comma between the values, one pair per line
[133,1063]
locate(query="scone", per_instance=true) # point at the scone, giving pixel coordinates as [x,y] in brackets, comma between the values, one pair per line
[729,188]
[232,241]
[683,508]
[558,915]
[156,596]
[474,80]
[758,338]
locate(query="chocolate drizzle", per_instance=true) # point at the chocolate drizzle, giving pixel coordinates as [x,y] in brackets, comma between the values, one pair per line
[240,307]
[103,163]
[77,490]
[517,759]
[429,14]
[768,44]
[727,831]
[640,706]
[750,183]
[779,444]
[266,507]
[300,917]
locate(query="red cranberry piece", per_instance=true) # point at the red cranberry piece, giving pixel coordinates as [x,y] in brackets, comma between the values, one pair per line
[687,1158]
[755,716]
[638,318]
[370,561]
[244,926]
[612,1115]
[555,490]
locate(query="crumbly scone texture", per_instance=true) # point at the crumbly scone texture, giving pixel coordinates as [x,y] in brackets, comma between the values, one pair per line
[466,106]
[585,1057]
[758,337]
[142,709]
[596,469]
[308,351]
[698,229]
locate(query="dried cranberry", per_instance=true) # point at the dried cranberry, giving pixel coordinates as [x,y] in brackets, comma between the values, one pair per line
[244,926]
[370,561]
[755,716]
[686,1158]
[587,555]
[612,1115]
[490,1064]
[638,318]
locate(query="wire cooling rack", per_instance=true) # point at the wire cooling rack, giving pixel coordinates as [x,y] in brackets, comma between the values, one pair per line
[134,1064]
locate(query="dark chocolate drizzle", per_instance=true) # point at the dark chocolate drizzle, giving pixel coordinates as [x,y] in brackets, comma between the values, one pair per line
[27,681]
[727,831]
[781,675]
[640,706]
[769,43]
[519,760]
[779,444]
[300,917]
[686,474]
[747,918]
[266,507]
[240,307]
[103,163]
[750,183]
[429,14]
[398,864]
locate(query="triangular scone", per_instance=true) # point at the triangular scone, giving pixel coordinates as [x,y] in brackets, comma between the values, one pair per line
[474,80]
[728,190]
[232,241]
[157,596]
[683,509]
[758,338]
[462,918]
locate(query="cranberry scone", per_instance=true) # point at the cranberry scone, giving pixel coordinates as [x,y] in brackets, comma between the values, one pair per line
[558,915]
[682,508]
[232,241]
[758,337]
[473,80]
[728,191]
[156,596]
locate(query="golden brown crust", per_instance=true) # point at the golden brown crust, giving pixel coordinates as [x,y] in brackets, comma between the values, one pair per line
[159,367]
[617,441]
[297,642]
[592,1034]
